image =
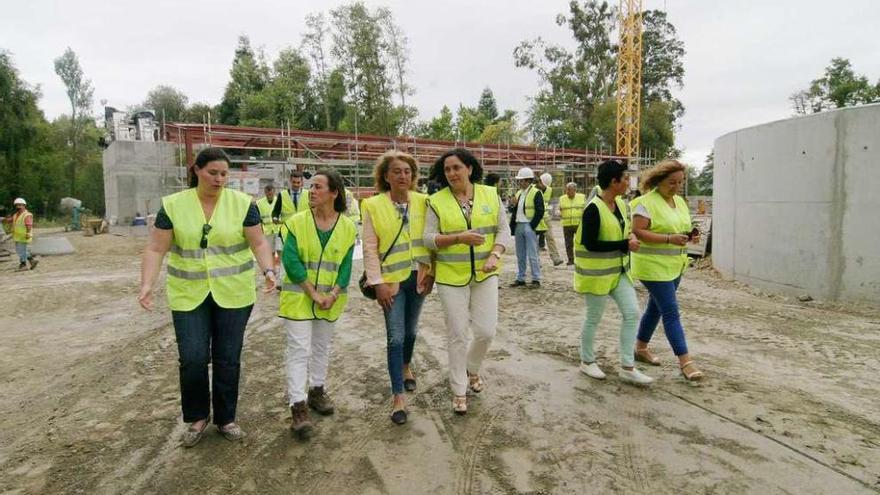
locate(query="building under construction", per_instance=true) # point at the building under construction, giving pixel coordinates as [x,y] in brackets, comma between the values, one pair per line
[137,174]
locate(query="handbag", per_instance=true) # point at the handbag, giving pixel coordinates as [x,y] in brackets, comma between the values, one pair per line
[366,289]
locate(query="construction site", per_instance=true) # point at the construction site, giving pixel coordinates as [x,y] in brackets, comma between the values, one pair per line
[781,303]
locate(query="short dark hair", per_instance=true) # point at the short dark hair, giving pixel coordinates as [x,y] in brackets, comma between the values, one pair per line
[491,179]
[269,187]
[295,173]
[608,171]
[466,157]
[335,184]
[205,157]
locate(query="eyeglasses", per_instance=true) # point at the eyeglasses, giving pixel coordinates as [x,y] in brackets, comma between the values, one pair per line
[204,242]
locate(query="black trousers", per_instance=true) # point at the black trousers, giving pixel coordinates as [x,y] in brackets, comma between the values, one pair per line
[210,334]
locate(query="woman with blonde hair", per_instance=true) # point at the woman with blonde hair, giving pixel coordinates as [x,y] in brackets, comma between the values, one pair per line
[662,223]
[397,264]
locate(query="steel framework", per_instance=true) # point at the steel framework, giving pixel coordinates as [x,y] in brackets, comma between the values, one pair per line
[629,78]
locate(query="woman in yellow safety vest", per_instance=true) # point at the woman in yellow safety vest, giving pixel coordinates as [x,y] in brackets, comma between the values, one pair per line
[662,223]
[317,262]
[604,241]
[571,207]
[466,226]
[397,264]
[211,232]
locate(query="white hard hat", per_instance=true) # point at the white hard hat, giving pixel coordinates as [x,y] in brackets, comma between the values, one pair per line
[546,179]
[525,173]
[19,201]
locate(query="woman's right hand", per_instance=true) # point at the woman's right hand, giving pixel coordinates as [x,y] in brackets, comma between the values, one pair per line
[385,295]
[678,239]
[634,243]
[145,298]
[471,238]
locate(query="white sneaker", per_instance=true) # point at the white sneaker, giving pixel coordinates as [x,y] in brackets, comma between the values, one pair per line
[592,370]
[635,377]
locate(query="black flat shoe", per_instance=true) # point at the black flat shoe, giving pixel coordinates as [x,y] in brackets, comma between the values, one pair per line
[398,417]
[409,384]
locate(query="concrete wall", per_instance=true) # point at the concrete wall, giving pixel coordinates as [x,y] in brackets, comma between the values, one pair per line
[796,205]
[136,176]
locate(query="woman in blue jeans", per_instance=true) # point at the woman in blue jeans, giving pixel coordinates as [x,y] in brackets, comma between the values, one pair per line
[662,223]
[397,264]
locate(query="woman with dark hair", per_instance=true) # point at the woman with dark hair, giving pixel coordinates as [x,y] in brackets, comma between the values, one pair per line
[662,222]
[397,264]
[466,226]
[317,262]
[211,232]
[604,241]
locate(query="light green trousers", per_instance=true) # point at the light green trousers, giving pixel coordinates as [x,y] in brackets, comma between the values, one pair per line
[628,305]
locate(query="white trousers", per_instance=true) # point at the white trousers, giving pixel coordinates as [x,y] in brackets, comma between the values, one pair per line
[476,306]
[308,355]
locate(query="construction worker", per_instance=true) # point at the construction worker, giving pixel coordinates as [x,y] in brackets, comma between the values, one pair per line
[210,285]
[465,226]
[22,233]
[526,212]
[397,265]
[545,228]
[571,206]
[293,200]
[662,223]
[265,205]
[604,241]
[317,259]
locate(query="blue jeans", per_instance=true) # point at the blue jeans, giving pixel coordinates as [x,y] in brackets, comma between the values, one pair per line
[21,249]
[526,248]
[210,334]
[662,303]
[401,327]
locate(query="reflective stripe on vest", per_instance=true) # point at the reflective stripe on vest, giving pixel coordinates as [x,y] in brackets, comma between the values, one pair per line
[19,228]
[571,209]
[546,195]
[322,267]
[265,207]
[288,210]
[596,272]
[661,262]
[225,268]
[459,264]
[385,219]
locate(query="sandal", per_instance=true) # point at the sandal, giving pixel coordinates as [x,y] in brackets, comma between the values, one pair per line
[695,375]
[398,417]
[192,435]
[645,356]
[459,404]
[475,383]
[231,432]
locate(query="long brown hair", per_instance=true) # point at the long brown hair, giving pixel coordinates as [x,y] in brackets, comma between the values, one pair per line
[656,174]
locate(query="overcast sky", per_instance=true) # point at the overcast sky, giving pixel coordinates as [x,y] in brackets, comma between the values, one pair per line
[744,57]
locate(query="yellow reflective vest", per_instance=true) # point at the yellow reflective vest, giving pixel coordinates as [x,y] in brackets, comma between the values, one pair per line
[572,209]
[265,207]
[662,262]
[529,205]
[322,267]
[459,264]
[288,209]
[596,272]
[19,228]
[386,221]
[225,267]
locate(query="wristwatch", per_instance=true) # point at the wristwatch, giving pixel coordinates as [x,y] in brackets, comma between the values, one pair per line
[267,270]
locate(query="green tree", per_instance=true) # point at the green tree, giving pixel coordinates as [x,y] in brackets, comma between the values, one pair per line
[166,103]
[249,74]
[662,60]
[291,93]
[839,87]
[80,93]
[314,41]
[487,106]
[440,127]
[397,53]
[198,112]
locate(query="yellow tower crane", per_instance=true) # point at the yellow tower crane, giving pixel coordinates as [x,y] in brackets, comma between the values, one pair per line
[629,78]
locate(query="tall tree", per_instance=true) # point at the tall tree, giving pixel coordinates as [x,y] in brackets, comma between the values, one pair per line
[249,74]
[80,93]
[314,41]
[397,52]
[839,87]
[487,105]
[662,60]
[166,102]
[440,127]
[291,92]
[20,125]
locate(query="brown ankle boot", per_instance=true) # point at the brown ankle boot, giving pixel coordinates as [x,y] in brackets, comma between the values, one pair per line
[300,425]
[320,401]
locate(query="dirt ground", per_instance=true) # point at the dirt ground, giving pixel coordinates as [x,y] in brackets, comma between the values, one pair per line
[90,400]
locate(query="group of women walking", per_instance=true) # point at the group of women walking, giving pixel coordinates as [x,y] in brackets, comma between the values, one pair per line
[455,238]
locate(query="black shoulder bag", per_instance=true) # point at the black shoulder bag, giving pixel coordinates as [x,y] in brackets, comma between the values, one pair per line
[368,290]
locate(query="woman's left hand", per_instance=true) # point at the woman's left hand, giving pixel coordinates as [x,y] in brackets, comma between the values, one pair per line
[270,283]
[491,263]
[327,301]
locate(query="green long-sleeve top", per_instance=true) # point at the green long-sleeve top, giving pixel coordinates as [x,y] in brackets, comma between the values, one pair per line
[296,270]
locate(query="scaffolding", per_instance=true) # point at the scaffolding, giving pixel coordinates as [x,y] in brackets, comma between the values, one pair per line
[354,155]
